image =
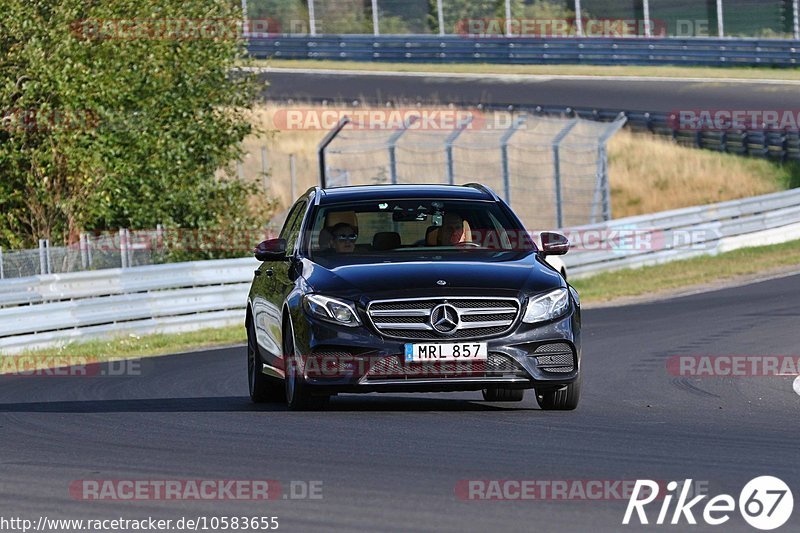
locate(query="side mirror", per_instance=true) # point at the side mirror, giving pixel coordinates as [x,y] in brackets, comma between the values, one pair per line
[271,250]
[554,244]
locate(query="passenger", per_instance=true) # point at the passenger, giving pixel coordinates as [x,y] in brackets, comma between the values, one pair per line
[344,238]
[452,230]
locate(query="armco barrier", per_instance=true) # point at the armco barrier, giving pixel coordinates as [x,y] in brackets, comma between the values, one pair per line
[45,310]
[588,51]
[53,309]
[692,232]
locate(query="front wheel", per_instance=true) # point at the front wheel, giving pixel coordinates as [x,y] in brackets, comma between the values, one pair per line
[298,395]
[564,399]
[262,388]
[501,394]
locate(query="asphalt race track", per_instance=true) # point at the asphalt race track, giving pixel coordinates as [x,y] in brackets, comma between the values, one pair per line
[391,463]
[629,95]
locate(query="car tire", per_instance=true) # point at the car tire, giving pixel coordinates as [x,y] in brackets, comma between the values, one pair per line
[263,389]
[297,395]
[502,394]
[564,399]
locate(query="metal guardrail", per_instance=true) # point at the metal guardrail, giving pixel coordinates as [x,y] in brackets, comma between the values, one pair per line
[587,51]
[686,233]
[58,308]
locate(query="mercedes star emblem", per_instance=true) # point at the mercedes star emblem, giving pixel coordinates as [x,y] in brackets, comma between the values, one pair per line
[445,319]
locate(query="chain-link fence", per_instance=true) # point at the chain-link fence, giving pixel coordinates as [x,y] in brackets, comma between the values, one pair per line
[535,18]
[552,171]
[126,249]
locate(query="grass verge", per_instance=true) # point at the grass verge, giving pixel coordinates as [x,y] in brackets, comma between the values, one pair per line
[745,73]
[134,346]
[597,289]
[690,272]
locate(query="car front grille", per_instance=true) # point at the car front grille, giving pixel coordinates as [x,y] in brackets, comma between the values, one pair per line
[411,319]
[556,357]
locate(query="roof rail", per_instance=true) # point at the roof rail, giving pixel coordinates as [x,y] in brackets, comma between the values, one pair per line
[483,188]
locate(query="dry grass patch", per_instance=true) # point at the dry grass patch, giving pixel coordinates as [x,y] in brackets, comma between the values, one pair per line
[648,174]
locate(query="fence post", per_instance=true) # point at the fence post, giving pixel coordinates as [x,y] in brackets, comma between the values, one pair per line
[42,258]
[440,15]
[245,22]
[557,169]
[2,271]
[504,140]
[720,20]
[376,27]
[508,18]
[796,25]
[265,169]
[648,25]
[293,175]
[84,255]
[312,19]
[122,248]
[240,170]
[602,193]
[451,139]
[578,19]
[393,145]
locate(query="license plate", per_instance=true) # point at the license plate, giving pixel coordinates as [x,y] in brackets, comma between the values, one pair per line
[467,351]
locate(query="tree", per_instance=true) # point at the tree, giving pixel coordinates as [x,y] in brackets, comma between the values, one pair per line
[119,115]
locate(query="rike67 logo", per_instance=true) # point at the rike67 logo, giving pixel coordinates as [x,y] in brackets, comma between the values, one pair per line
[765,503]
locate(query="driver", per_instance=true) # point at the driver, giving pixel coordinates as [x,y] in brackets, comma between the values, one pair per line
[344,237]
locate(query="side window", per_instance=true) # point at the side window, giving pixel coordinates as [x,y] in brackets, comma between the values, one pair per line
[291,229]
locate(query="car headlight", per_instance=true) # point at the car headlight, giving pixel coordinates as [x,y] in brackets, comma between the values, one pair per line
[547,306]
[331,310]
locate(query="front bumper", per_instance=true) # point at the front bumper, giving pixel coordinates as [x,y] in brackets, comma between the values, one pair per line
[341,359]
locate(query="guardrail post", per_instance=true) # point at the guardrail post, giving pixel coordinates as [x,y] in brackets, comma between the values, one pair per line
[393,146]
[2,271]
[720,19]
[504,155]
[312,19]
[440,16]
[578,19]
[448,143]
[557,169]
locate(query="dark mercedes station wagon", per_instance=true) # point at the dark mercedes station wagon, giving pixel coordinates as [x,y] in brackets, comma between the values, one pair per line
[410,288]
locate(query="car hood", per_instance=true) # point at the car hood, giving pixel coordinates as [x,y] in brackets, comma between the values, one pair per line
[499,274]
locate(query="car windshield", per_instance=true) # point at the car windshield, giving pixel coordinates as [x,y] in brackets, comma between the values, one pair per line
[413,229]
